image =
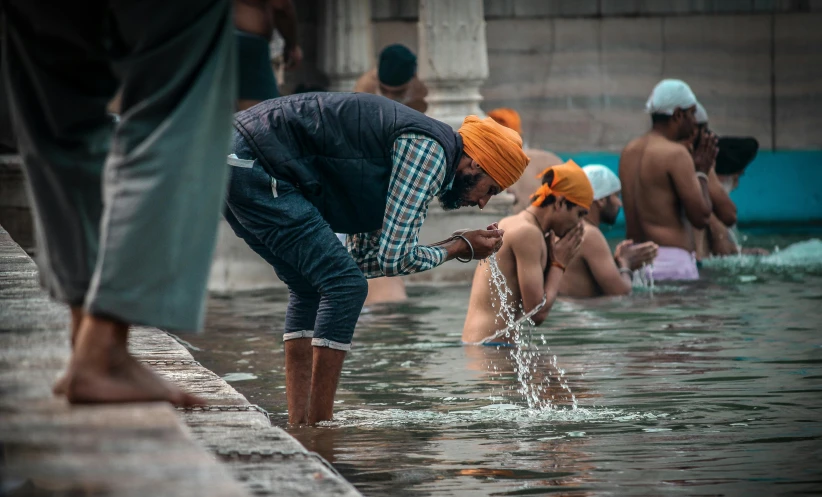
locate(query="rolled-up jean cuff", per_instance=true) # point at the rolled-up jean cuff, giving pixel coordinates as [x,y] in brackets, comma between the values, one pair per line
[298,334]
[324,342]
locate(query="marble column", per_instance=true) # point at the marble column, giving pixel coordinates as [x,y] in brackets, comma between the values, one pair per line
[452,58]
[346,47]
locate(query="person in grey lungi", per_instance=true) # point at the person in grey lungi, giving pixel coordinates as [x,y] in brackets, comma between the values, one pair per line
[306,166]
[126,213]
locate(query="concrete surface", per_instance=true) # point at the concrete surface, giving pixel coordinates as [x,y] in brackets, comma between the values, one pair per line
[49,447]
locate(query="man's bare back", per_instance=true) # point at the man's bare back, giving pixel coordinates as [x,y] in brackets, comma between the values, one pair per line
[661,194]
[481,319]
[578,281]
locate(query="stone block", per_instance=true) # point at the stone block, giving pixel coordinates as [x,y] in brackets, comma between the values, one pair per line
[621,7]
[498,9]
[726,61]
[386,33]
[764,5]
[737,6]
[529,9]
[579,8]
[798,89]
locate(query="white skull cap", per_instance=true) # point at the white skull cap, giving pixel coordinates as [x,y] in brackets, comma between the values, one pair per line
[669,95]
[603,180]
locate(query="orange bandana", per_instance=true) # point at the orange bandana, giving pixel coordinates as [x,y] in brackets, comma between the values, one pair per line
[508,118]
[570,182]
[497,149]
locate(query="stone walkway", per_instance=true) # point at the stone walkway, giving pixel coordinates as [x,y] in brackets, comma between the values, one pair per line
[48,447]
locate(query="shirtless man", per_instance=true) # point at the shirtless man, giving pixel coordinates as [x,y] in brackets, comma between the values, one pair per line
[395,77]
[540,160]
[664,186]
[256,21]
[735,154]
[723,216]
[595,272]
[539,244]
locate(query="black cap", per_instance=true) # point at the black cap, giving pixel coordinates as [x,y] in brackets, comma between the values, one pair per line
[735,153]
[397,65]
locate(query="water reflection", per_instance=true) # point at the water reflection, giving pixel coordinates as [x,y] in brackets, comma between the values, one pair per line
[712,388]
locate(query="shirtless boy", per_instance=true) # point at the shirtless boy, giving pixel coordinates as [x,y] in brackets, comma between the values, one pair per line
[539,243]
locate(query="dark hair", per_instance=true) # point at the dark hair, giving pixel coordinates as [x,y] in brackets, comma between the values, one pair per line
[660,118]
[550,199]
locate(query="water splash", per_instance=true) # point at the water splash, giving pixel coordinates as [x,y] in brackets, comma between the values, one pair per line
[643,278]
[533,366]
[489,414]
[805,256]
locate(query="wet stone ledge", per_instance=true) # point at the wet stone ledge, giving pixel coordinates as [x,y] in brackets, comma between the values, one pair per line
[49,447]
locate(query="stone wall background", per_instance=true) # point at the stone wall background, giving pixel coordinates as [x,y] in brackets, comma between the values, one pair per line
[579,71]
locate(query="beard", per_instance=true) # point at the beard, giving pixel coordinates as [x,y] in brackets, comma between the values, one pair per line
[609,214]
[454,197]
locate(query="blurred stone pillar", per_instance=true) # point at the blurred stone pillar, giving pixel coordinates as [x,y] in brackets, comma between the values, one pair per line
[346,46]
[452,58]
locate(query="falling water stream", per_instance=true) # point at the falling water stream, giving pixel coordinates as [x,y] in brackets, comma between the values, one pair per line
[534,367]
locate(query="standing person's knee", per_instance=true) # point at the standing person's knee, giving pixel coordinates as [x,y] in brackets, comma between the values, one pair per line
[358,289]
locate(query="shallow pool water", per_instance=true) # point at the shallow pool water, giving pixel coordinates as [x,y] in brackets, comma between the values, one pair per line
[697,389]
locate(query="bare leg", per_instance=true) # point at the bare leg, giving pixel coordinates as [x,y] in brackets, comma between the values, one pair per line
[324,379]
[298,366]
[59,387]
[101,369]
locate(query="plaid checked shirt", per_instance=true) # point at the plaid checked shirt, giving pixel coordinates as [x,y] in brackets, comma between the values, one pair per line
[416,179]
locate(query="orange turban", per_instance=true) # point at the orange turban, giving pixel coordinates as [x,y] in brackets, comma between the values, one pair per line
[508,118]
[497,149]
[570,181]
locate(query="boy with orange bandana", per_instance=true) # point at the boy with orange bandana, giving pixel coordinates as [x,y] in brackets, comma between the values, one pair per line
[309,165]
[540,242]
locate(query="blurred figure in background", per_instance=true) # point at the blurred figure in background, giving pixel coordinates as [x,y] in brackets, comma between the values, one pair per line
[540,161]
[126,212]
[664,186]
[719,239]
[595,271]
[724,210]
[255,22]
[395,77]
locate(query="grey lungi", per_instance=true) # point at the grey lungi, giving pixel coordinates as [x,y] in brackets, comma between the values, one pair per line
[126,213]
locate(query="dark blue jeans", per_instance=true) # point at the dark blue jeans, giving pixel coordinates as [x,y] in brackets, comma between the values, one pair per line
[326,288]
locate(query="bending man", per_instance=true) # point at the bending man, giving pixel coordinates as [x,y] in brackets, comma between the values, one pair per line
[313,164]
[595,272]
[540,243]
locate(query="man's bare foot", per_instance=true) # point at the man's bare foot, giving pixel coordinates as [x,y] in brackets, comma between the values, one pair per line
[102,371]
[60,386]
[127,381]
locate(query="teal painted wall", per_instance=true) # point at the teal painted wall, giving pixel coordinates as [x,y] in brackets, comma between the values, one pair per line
[778,187]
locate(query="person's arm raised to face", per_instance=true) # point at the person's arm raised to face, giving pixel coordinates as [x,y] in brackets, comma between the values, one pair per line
[721,242]
[724,208]
[692,189]
[527,246]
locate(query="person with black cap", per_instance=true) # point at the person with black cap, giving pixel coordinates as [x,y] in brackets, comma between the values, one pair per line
[735,154]
[395,77]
